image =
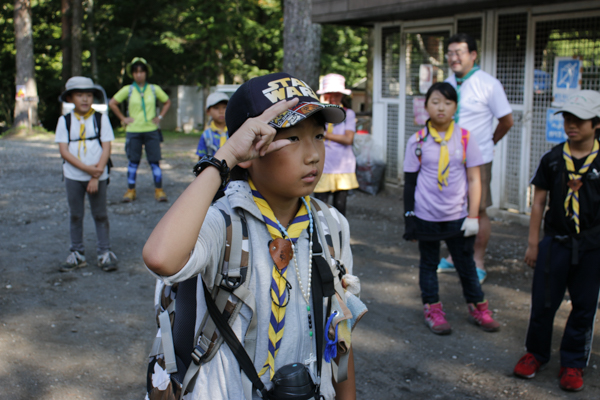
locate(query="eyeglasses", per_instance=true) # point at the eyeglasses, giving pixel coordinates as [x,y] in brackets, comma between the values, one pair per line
[457,53]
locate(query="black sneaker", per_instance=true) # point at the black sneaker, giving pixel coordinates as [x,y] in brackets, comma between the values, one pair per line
[107,261]
[75,260]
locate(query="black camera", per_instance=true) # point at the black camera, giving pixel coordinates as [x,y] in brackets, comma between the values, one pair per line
[293,382]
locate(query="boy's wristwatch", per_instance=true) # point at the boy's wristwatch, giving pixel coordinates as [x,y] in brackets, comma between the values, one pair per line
[210,161]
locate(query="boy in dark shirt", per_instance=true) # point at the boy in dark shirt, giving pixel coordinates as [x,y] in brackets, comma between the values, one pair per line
[567,257]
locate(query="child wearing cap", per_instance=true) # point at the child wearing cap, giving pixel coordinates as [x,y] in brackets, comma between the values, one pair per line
[339,172]
[214,137]
[84,141]
[141,125]
[567,256]
[276,151]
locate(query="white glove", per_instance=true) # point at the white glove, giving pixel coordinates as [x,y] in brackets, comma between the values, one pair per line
[470,226]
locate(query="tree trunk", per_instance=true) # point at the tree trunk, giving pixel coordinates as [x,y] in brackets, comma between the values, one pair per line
[92,35]
[66,22]
[76,34]
[26,105]
[301,42]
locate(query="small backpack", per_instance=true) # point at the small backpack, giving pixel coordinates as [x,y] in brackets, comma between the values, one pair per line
[178,350]
[98,132]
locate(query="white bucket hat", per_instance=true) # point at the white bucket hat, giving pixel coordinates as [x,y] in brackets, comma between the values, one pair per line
[333,83]
[80,83]
[215,98]
[584,104]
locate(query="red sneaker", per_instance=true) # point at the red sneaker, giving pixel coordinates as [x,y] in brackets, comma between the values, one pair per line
[571,379]
[482,317]
[434,319]
[527,366]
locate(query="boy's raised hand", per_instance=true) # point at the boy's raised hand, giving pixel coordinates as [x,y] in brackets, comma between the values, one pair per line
[255,137]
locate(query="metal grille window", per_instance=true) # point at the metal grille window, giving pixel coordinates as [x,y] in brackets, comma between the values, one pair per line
[472,27]
[577,37]
[510,71]
[390,66]
[391,170]
[510,67]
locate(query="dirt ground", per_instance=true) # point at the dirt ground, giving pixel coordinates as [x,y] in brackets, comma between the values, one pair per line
[86,335]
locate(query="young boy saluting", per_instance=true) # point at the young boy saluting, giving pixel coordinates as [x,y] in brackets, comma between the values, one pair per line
[84,141]
[276,127]
[567,257]
[215,136]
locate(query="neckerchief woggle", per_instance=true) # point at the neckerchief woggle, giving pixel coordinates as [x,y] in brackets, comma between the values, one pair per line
[141,92]
[459,82]
[83,117]
[574,183]
[279,290]
[444,159]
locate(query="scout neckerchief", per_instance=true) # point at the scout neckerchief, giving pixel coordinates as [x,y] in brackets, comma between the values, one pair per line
[444,160]
[574,183]
[82,130]
[329,129]
[141,92]
[279,284]
[459,82]
[222,133]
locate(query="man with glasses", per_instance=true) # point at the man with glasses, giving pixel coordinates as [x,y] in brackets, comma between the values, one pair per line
[481,99]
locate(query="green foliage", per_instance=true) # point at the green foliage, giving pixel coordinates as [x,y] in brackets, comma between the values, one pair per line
[187,42]
[344,51]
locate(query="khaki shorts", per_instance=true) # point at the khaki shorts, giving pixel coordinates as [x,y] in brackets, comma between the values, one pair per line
[486,187]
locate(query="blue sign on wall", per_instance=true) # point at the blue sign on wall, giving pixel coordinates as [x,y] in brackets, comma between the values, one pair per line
[555,127]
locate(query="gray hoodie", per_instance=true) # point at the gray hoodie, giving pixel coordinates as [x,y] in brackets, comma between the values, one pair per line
[221,378]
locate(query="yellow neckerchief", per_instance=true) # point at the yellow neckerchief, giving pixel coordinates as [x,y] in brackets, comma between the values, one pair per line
[279,291]
[444,161]
[82,130]
[329,129]
[222,133]
[575,183]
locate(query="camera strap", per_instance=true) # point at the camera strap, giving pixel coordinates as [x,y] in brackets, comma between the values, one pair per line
[234,344]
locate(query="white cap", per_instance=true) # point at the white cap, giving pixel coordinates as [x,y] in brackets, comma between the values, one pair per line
[333,83]
[215,98]
[584,104]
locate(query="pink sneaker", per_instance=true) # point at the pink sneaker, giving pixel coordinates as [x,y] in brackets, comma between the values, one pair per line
[481,316]
[434,318]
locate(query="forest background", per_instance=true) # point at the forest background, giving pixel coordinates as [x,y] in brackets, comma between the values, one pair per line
[187,42]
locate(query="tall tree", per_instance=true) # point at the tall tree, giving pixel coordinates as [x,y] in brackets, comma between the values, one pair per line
[301,41]
[25,107]
[66,22]
[76,36]
[91,31]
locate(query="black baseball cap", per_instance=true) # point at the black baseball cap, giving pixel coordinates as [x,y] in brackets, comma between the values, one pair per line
[260,93]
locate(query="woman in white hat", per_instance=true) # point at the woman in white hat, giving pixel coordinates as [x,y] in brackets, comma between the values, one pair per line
[340,164]
[142,124]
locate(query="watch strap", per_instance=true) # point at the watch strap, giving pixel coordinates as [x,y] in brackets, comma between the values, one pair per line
[220,165]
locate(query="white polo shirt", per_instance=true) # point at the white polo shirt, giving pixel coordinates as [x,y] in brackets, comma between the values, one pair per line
[92,152]
[482,98]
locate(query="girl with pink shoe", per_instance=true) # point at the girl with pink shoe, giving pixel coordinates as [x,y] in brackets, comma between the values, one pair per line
[442,191]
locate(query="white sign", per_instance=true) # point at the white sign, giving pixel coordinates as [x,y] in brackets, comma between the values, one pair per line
[566,79]
[425,77]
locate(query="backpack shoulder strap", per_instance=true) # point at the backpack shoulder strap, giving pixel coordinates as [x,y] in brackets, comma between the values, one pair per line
[229,293]
[98,126]
[464,140]
[420,135]
[68,123]
[129,98]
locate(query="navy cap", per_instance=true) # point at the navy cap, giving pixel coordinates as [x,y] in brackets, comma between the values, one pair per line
[260,93]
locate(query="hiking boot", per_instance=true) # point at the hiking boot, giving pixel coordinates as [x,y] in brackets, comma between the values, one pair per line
[481,275]
[571,379]
[75,260]
[434,319]
[129,196]
[482,317]
[107,261]
[445,266]
[160,195]
[527,366]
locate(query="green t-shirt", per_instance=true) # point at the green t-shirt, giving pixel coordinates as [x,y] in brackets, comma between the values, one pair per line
[141,122]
